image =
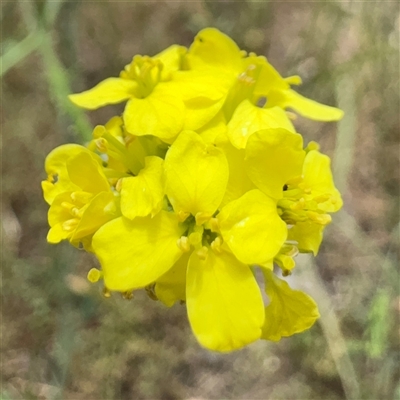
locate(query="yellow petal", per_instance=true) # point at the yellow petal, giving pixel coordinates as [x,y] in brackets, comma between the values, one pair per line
[196,175]
[143,194]
[203,94]
[171,58]
[87,174]
[160,114]
[57,213]
[239,183]
[290,311]
[99,211]
[57,234]
[200,112]
[171,287]
[135,253]
[195,86]
[215,131]
[109,91]
[249,118]
[252,228]
[268,79]
[56,166]
[273,156]
[294,80]
[308,235]
[224,302]
[318,177]
[212,48]
[305,107]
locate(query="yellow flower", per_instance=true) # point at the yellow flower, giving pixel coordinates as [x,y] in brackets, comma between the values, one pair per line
[300,180]
[313,197]
[224,303]
[162,99]
[289,312]
[85,203]
[202,180]
[258,94]
[133,166]
[56,168]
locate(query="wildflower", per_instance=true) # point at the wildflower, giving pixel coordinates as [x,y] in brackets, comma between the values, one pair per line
[202,180]
[161,101]
[258,94]
[303,187]
[316,197]
[221,248]
[85,203]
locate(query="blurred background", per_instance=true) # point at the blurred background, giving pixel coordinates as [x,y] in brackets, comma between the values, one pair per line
[61,339]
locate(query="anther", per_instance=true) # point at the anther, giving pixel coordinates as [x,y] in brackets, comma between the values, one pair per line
[76,212]
[150,292]
[183,243]
[299,205]
[216,245]
[129,139]
[94,275]
[312,146]
[292,116]
[213,225]
[202,218]
[182,215]
[70,224]
[128,295]
[68,206]
[101,144]
[202,253]
[321,219]
[322,198]
[106,293]
[118,186]
[98,131]
[81,197]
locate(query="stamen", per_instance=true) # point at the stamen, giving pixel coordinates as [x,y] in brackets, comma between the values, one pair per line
[70,224]
[292,116]
[300,205]
[182,215]
[202,218]
[322,198]
[106,293]
[321,219]
[98,131]
[128,295]
[202,253]
[183,243]
[150,292]
[81,197]
[94,275]
[68,206]
[101,144]
[216,245]
[118,186]
[312,146]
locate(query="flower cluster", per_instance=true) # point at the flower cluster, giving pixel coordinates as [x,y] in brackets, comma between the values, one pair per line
[202,181]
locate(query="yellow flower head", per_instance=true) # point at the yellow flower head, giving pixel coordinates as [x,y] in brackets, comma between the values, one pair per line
[258,94]
[84,201]
[202,180]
